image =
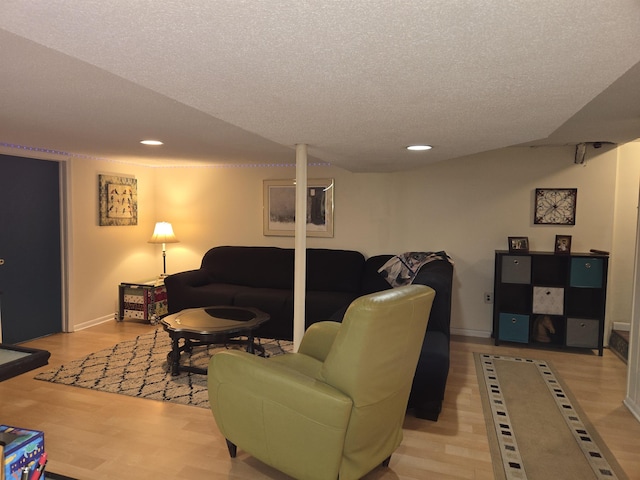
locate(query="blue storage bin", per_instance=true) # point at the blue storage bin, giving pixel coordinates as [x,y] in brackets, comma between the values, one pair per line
[514,327]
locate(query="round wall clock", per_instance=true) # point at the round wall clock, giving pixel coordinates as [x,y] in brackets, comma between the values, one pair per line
[555,206]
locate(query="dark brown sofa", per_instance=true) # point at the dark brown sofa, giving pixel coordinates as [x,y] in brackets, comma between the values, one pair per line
[262,277]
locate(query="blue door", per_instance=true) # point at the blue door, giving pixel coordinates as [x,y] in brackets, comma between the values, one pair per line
[30,256]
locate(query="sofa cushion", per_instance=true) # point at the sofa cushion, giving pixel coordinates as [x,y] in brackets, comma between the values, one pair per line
[269,267]
[372,281]
[270,300]
[334,270]
[218,293]
[277,304]
[205,296]
[320,306]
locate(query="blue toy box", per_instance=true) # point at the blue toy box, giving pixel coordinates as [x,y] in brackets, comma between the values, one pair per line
[23,448]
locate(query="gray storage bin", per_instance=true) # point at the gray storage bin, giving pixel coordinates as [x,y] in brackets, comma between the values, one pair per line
[516,269]
[582,332]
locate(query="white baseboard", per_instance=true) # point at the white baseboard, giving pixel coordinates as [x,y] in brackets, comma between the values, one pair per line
[464,332]
[622,326]
[633,407]
[94,322]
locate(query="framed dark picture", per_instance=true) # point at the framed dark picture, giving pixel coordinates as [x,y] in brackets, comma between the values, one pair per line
[555,206]
[518,244]
[280,207]
[563,244]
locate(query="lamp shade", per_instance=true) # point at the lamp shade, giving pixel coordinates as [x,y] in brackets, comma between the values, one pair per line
[163,233]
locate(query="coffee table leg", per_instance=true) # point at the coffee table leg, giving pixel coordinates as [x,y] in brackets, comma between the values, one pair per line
[250,346]
[175,356]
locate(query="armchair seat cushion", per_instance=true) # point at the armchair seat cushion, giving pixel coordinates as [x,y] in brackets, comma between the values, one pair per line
[304,364]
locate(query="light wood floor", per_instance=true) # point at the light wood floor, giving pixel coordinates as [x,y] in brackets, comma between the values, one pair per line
[93,435]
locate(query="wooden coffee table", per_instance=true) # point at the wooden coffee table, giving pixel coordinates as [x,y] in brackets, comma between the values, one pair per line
[210,325]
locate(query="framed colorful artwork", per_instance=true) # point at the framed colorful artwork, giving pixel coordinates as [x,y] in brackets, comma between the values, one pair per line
[117,200]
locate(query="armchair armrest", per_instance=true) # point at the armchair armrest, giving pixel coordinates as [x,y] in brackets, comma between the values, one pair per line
[318,339]
[287,419]
[248,374]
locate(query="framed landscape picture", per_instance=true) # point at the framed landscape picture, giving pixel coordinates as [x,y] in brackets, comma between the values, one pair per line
[279,207]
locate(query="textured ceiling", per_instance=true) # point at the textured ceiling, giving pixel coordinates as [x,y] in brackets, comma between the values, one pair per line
[243,81]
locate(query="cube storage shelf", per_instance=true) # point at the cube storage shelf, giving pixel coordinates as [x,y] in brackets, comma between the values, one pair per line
[550,299]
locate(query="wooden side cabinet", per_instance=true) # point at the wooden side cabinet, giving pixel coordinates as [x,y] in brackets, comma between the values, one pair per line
[144,301]
[550,299]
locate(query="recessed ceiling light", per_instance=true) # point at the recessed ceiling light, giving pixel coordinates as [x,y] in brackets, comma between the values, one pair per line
[151,142]
[419,148]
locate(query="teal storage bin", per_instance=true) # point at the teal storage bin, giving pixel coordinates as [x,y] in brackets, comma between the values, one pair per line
[514,328]
[586,272]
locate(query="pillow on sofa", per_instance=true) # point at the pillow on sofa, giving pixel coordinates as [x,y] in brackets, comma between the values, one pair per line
[260,267]
[334,270]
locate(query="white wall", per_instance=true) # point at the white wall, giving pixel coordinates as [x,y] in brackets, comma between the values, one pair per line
[631,154]
[102,257]
[467,207]
[624,238]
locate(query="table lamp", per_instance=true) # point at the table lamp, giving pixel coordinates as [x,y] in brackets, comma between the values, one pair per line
[163,233]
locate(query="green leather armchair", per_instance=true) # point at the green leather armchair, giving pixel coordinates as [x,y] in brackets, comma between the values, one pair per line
[335,408]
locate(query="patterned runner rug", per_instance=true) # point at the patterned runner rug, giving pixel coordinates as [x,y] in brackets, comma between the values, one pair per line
[536,428]
[138,368]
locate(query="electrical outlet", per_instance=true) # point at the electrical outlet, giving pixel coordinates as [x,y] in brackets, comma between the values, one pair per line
[488,297]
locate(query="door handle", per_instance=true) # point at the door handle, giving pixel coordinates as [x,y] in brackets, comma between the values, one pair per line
[1,261]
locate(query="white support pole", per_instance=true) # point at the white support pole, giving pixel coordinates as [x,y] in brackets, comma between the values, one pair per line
[299,285]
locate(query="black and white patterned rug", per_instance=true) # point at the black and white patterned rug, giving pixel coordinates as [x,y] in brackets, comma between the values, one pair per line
[138,368]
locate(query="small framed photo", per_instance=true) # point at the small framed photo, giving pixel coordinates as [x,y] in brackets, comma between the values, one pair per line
[563,244]
[518,244]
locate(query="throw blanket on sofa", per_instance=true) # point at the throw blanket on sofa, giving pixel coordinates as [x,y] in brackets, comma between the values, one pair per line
[401,269]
